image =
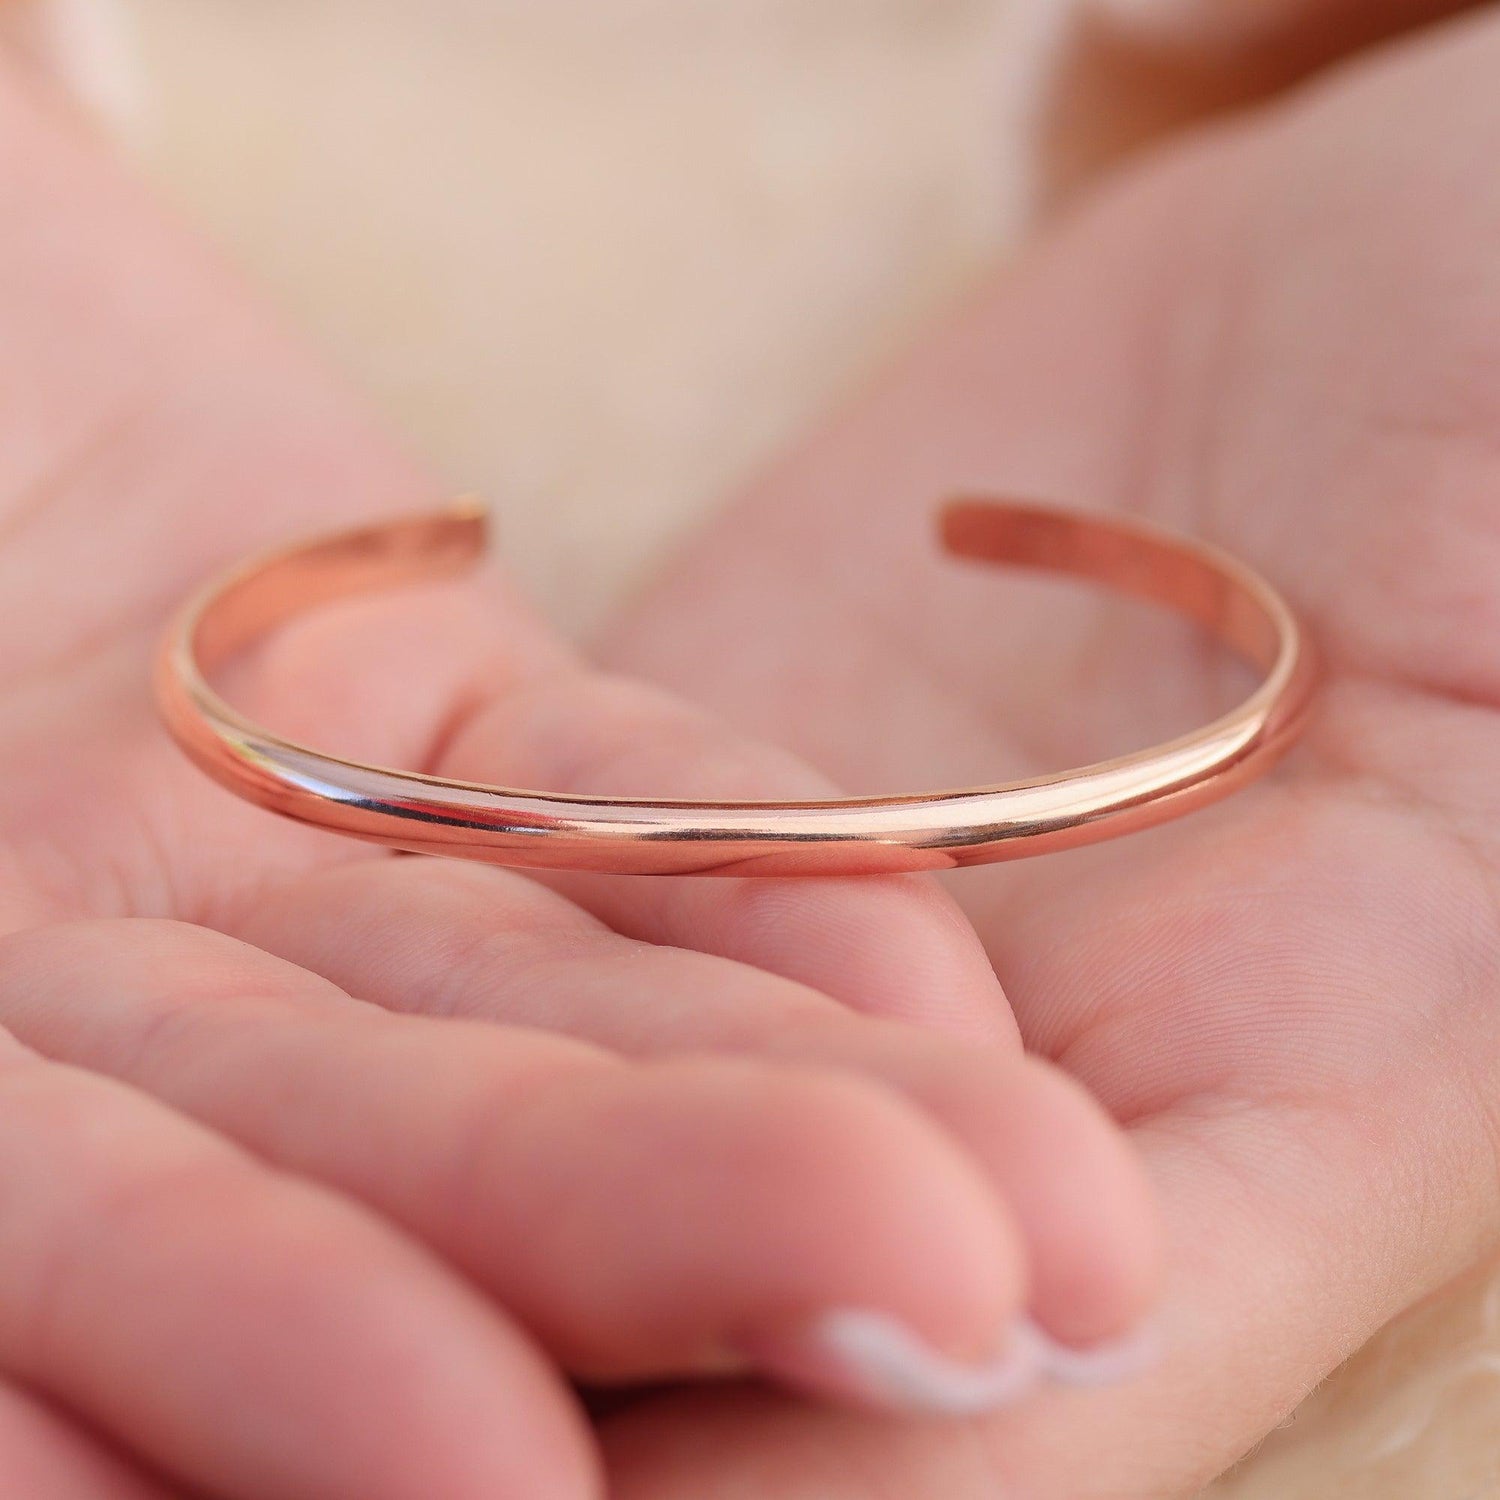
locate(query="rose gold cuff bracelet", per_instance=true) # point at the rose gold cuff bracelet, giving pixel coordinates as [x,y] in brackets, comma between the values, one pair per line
[861,835]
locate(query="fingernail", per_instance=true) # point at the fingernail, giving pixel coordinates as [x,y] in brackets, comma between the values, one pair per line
[875,1359]
[1109,1363]
[889,1364]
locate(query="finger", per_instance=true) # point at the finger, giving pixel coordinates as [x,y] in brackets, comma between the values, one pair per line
[252,1335]
[1227,1358]
[893,946]
[43,1456]
[642,1221]
[447,939]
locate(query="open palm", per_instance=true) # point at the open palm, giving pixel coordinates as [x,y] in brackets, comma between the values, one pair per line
[287,1215]
[1284,336]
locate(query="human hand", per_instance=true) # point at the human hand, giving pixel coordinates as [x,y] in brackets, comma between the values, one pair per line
[1283,337]
[273,1241]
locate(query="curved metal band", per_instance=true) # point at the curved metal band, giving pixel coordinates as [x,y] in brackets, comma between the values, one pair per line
[861,835]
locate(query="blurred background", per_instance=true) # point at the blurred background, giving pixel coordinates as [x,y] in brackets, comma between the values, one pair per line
[596,259]
[599,258]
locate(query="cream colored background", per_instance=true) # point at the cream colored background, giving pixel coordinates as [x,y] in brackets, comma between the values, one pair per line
[596,259]
[599,257]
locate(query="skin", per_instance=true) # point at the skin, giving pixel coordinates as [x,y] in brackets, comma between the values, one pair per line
[291,1129]
[1280,335]
[325,1172]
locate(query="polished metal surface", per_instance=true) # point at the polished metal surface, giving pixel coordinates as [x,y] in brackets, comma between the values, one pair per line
[864,835]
